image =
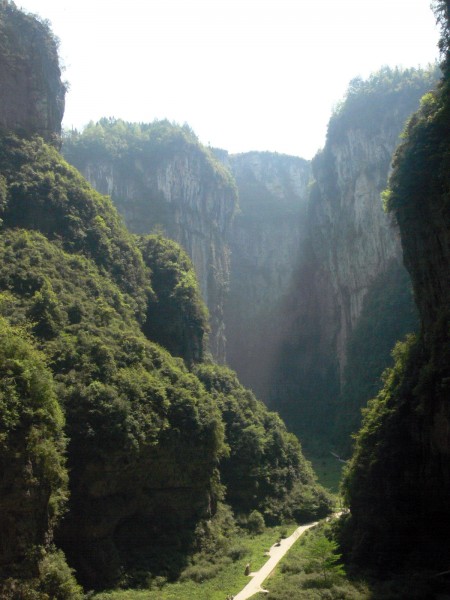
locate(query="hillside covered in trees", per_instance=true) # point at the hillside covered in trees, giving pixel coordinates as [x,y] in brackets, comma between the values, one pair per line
[111,415]
[125,449]
[305,274]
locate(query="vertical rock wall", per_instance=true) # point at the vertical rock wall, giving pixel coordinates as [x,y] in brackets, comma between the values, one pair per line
[264,244]
[350,242]
[184,193]
[31,91]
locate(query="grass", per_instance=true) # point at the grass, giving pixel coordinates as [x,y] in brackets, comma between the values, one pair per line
[297,576]
[328,470]
[229,580]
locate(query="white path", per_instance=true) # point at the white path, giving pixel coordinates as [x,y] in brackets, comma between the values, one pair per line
[276,553]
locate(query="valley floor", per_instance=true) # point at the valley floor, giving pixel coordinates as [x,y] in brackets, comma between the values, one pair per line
[276,553]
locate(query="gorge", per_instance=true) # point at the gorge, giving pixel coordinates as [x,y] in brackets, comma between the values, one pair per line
[141,266]
[288,257]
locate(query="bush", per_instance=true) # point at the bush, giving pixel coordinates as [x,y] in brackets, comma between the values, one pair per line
[57,578]
[255,522]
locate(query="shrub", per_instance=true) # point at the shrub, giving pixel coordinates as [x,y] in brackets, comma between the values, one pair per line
[255,522]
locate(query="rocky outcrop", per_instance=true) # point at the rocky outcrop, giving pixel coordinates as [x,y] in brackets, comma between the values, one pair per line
[264,244]
[177,187]
[352,238]
[31,91]
[350,243]
[126,508]
[398,482]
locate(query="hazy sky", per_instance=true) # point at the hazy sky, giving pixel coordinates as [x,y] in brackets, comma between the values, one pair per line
[245,74]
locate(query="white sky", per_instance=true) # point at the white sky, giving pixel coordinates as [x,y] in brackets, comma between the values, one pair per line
[244,74]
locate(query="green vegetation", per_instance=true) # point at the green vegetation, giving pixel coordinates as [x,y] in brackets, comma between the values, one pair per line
[213,573]
[110,412]
[125,144]
[33,488]
[53,579]
[131,408]
[140,149]
[328,469]
[366,100]
[312,570]
[265,469]
[176,315]
[46,194]
[397,484]
[388,315]
[152,446]
[162,180]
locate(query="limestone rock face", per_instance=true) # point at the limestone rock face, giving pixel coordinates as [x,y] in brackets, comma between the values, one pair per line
[352,238]
[264,244]
[348,242]
[31,91]
[398,482]
[184,194]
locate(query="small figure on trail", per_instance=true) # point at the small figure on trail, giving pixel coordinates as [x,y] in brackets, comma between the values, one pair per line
[247,569]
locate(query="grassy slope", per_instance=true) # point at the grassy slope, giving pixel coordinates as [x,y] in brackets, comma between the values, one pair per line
[230,580]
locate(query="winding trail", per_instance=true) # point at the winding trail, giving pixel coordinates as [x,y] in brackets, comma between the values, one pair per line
[276,553]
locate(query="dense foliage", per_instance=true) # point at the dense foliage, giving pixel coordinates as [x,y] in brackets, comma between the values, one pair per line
[44,193]
[126,401]
[139,149]
[176,315]
[145,435]
[398,482]
[161,179]
[34,479]
[365,102]
[114,138]
[265,468]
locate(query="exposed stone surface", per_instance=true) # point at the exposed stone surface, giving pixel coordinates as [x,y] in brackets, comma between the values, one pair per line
[349,241]
[194,203]
[352,238]
[265,244]
[398,483]
[31,91]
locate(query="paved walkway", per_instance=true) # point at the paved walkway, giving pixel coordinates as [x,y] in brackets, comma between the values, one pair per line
[276,553]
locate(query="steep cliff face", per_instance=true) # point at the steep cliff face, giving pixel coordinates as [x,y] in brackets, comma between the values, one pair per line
[350,243]
[164,179]
[129,461]
[146,441]
[398,483]
[264,244]
[352,236]
[31,91]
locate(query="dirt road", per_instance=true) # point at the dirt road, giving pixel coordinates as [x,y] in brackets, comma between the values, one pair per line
[276,553]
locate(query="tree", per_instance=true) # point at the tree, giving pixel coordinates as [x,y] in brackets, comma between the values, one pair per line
[322,557]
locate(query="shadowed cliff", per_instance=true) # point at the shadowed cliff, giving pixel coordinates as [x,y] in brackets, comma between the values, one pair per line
[398,481]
